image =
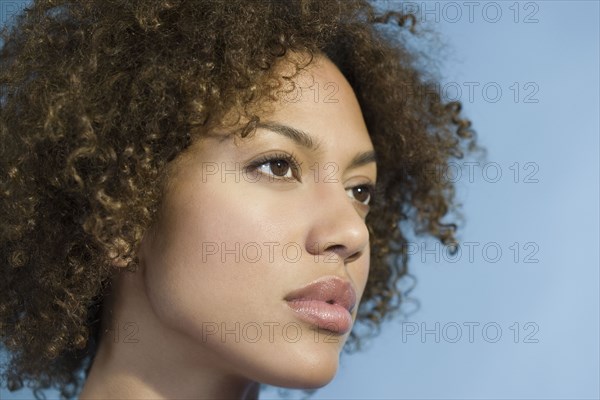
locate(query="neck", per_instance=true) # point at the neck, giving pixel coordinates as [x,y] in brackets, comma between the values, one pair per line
[138,358]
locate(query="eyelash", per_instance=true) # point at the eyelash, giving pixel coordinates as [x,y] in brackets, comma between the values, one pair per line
[295,165]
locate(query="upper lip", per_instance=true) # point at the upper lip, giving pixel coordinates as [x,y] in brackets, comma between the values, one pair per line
[332,290]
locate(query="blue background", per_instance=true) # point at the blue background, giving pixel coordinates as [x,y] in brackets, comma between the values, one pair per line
[548,132]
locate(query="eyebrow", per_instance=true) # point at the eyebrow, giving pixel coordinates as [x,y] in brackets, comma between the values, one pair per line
[362,159]
[298,136]
[304,139]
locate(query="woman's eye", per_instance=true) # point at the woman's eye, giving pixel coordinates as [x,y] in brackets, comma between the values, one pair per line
[279,168]
[284,167]
[361,194]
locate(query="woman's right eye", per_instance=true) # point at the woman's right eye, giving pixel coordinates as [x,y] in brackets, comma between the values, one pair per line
[277,167]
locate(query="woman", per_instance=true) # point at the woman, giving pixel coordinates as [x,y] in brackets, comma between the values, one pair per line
[189,197]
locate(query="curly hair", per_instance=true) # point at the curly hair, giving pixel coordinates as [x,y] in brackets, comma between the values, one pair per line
[98,96]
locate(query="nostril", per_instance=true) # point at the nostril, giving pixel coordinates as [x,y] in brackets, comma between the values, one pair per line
[353,257]
[336,248]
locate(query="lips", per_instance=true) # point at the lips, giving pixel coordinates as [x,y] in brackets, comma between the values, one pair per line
[326,303]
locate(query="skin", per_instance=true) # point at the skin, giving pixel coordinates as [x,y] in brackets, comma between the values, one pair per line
[188,289]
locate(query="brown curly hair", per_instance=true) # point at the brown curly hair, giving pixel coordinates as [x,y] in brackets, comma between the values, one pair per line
[98,96]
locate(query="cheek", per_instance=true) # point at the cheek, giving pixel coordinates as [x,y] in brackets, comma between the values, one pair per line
[202,267]
[188,284]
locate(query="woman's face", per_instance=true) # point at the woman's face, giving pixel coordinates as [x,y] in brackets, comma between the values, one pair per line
[243,230]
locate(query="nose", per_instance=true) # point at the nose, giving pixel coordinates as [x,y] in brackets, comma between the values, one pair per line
[337,229]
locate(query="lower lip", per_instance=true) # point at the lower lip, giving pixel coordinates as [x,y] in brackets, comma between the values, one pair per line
[331,317]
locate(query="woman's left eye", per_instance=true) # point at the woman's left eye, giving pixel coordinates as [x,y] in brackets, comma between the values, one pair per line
[362,193]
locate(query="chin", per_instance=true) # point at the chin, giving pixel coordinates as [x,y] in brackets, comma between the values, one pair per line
[309,367]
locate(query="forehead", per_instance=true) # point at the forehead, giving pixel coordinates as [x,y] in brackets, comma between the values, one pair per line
[320,100]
